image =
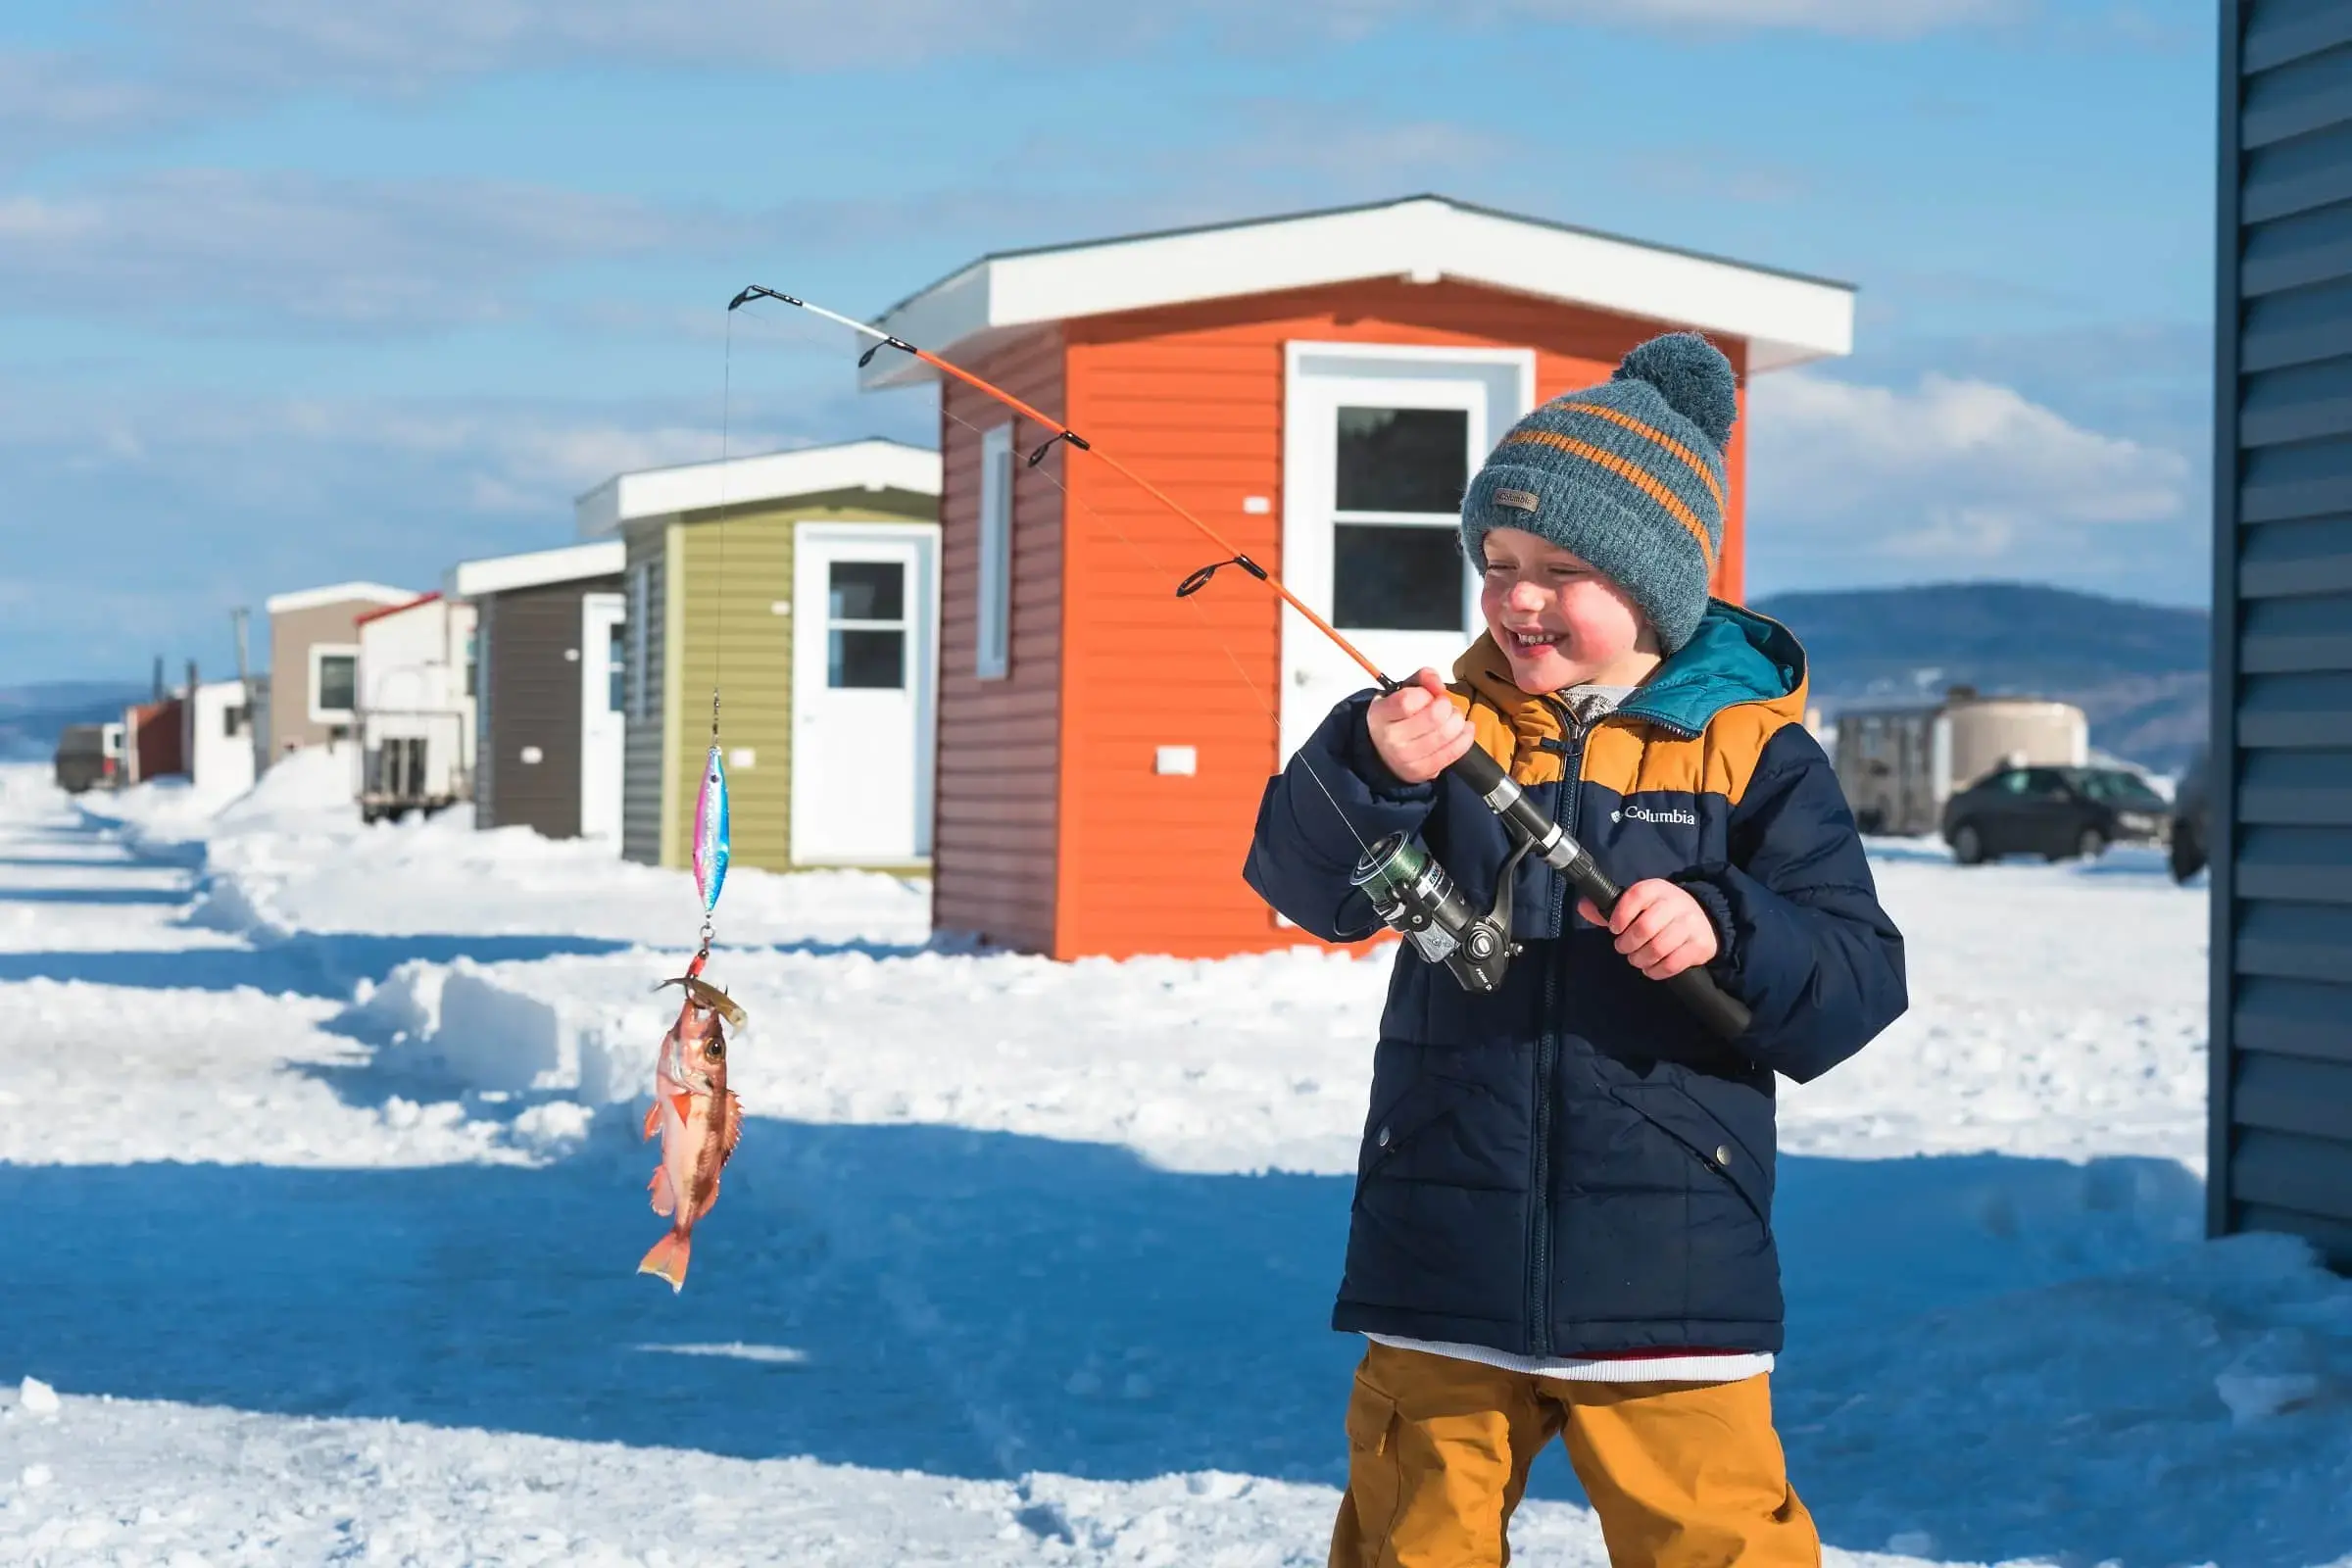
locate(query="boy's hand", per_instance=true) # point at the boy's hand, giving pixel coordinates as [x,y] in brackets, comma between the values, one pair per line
[1416,729]
[1659,927]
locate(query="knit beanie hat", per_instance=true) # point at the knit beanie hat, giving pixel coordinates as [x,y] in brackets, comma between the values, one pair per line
[1628,475]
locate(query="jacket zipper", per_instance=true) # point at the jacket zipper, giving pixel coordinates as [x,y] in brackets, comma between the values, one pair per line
[1539,1281]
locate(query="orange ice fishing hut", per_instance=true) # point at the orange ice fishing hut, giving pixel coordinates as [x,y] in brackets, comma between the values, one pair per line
[1317,388]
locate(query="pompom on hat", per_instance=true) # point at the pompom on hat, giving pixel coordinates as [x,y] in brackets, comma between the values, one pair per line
[1628,475]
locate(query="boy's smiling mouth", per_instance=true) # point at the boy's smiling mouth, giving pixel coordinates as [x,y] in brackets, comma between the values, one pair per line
[1530,639]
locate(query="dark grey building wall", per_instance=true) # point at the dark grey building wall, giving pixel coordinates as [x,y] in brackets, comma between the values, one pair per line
[2282,807]
[531,668]
[646,585]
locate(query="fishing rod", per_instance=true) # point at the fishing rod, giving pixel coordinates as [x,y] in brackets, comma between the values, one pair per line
[1410,890]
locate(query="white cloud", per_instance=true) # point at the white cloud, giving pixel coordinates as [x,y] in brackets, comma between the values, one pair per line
[185,64]
[1954,474]
[203,246]
[519,457]
[1886,19]
[404,44]
[49,97]
[204,502]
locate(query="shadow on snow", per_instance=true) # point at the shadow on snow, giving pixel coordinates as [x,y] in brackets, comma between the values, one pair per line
[96,898]
[981,1304]
[327,964]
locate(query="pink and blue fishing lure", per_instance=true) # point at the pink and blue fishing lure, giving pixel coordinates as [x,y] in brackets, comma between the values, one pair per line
[711,832]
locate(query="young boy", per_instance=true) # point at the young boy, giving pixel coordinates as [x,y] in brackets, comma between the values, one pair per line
[1562,1219]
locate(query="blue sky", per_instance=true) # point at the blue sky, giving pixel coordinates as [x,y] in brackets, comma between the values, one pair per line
[291,293]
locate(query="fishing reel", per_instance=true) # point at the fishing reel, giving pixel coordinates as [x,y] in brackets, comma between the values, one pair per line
[1413,895]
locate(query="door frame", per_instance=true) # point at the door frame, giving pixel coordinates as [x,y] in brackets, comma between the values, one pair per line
[1307,362]
[595,694]
[922,660]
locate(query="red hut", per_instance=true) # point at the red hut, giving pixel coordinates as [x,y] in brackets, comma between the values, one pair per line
[1317,388]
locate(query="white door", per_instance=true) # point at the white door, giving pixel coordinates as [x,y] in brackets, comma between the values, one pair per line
[604,693]
[1379,443]
[864,670]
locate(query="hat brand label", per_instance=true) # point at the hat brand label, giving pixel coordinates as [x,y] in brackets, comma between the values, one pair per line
[1518,500]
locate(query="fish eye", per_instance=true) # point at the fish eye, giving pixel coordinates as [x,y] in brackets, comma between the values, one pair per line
[716,1051]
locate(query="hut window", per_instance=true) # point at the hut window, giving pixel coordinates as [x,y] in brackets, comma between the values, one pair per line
[995,643]
[1396,563]
[865,625]
[334,683]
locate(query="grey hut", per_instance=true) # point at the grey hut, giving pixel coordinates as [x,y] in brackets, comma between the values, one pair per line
[547,673]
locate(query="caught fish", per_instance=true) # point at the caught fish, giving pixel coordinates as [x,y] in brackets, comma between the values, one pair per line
[710,827]
[699,1120]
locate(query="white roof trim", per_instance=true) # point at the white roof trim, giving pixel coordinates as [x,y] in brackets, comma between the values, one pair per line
[871,464]
[341,593]
[1784,318]
[498,574]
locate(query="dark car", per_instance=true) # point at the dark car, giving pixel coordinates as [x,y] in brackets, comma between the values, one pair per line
[2052,812]
[2188,820]
[81,760]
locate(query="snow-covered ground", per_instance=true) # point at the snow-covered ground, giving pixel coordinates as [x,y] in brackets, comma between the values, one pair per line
[327,1194]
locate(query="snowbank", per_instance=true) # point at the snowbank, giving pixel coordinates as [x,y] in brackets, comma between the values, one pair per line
[309,791]
[290,857]
[2021,1039]
[1246,1064]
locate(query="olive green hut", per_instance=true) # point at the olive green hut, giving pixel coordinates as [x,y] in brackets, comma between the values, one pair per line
[804,586]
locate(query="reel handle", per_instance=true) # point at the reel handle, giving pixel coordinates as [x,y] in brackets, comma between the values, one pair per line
[1722,1014]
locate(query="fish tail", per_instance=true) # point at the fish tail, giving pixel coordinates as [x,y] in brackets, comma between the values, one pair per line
[667,1260]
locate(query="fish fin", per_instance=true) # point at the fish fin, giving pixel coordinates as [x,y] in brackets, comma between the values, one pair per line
[666,1259]
[653,1117]
[682,1101]
[665,1199]
[726,1149]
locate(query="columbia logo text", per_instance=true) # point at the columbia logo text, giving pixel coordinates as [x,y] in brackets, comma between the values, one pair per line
[1643,813]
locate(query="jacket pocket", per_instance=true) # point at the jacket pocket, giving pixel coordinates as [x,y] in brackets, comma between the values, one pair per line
[1420,1109]
[1709,1141]
[1375,1493]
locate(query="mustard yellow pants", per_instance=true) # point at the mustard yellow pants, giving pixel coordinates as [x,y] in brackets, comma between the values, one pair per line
[1681,1474]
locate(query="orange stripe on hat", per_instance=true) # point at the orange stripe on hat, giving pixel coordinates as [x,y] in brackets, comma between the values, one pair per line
[1649,484]
[1620,417]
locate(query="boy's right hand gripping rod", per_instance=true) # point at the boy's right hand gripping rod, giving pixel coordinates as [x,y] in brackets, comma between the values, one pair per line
[1694,987]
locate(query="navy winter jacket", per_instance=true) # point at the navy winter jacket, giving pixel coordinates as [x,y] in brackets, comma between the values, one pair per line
[1571,1165]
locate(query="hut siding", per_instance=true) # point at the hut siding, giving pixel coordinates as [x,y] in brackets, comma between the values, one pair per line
[1192,399]
[2281,803]
[292,636]
[731,574]
[485,746]
[717,578]
[643,725]
[1000,783]
[536,692]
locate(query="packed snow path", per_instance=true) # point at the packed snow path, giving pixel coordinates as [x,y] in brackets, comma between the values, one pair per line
[324,1202]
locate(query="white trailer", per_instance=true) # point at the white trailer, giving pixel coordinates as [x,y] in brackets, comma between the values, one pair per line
[1899,765]
[416,707]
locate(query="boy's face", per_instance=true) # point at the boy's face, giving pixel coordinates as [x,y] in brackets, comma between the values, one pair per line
[1557,620]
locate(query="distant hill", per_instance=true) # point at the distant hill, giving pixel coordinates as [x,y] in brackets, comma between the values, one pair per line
[32,716]
[2140,671]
